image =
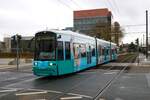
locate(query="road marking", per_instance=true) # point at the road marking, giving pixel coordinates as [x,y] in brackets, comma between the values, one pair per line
[148,79]
[110,73]
[86,96]
[22,82]
[8,90]
[42,92]
[69,98]
[122,87]
[52,91]
[7,67]
[40,99]
[11,78]
[101,99]
[30,93]
[12,66]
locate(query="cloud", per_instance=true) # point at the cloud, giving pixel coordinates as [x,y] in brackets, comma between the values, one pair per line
[29,16]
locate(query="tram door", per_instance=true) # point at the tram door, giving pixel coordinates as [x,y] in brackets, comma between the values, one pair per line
[89,55]
[77,56]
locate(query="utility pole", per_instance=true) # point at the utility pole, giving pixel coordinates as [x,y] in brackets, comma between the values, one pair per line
[137,42]
[143,40]
[109,32]
[96,51]
[146,33]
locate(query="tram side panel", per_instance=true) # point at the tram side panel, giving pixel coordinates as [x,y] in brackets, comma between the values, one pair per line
[64,60]
[101,53]
[84,54]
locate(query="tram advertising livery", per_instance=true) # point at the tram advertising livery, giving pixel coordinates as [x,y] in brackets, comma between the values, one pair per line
[63,52]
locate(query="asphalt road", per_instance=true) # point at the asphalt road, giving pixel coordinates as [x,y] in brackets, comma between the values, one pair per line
[85,85]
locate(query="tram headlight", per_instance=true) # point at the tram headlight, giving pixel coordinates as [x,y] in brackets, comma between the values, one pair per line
[35,63]
[51,64]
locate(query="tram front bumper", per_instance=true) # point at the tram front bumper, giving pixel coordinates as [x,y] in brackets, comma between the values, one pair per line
[44,72]
[45,68]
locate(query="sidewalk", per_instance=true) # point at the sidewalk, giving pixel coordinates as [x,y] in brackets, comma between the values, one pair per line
[14,66]
[143,61]
[4,63]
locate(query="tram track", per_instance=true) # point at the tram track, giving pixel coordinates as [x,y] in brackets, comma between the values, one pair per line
[101,90]
[108,75]
[124,60]
[109,83]
[75,86]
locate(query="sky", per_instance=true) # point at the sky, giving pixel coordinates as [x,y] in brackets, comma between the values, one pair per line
[26,17]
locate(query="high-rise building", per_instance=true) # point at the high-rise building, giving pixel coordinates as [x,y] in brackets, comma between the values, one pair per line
[92,21]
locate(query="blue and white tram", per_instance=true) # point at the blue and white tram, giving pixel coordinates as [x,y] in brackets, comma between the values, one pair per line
[63,52]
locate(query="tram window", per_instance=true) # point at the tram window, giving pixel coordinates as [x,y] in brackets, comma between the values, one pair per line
[60,50]
[75,50]
[103,51]
[112,51]
[107,51]
[93,52]
[116,51]
[83,50]
[67,50]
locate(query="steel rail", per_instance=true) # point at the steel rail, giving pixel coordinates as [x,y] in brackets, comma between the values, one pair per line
[101,91]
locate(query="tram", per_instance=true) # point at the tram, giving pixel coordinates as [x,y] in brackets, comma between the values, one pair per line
[60,52]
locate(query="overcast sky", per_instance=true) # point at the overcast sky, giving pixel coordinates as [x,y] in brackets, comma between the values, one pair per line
[26,17]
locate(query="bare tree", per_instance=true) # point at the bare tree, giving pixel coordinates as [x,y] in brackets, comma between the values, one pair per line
[117,32]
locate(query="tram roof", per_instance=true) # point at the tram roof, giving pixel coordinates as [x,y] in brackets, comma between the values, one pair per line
[68,32]
[71,33]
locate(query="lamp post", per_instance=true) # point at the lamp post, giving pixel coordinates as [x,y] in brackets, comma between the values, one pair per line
[146,33]
[110,48]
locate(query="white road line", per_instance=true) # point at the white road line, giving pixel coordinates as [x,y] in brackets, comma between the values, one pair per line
[110,73]
[69,98]
[52,91]
[8,90]
[40,99]
[22,82]
[148,79]
[7,67]
[86,96]
[30,93]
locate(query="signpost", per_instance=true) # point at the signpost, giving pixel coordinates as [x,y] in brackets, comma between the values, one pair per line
[16,39]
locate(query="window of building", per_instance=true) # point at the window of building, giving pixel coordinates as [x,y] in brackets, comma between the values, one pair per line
[67,50]
[60,53]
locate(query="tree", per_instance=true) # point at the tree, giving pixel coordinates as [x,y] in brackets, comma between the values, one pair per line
[132,47]
[107,31]
[102,31]
[117,32]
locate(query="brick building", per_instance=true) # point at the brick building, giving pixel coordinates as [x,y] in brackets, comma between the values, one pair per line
[89,21]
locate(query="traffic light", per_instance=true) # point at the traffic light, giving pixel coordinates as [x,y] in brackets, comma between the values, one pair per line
[16,38]
[137,41]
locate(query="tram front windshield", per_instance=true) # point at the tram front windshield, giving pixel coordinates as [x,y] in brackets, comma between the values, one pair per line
[45,48]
